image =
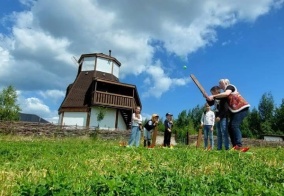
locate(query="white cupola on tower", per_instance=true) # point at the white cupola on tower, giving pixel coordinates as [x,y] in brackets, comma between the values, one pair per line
[100,62]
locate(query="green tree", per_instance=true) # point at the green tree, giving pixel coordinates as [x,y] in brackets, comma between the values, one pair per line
[161,127]
[266,127]
[266,109]
[182,119]
[9,109]
[278,123]
[254,122]
[184,126]
[101,114]
[188,123]
[195,115]
[246,132]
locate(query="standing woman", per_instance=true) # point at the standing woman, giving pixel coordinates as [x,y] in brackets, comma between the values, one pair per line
[238,107]
[136,128]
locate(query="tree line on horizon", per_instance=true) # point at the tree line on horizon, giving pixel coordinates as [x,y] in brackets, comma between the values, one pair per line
[266,119]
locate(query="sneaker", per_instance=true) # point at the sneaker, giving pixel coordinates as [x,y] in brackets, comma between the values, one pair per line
[127,146]
[244,149]
[207,149]
[123,144]
[236,148]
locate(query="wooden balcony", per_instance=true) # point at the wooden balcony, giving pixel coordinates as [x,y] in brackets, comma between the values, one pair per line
[114,100]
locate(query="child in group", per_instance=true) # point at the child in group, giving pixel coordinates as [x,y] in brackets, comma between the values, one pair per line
[148,129]
[168,123]
[136,125]
[221,118]
[207,123]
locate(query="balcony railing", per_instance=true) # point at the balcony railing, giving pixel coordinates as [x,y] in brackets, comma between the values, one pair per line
[115,100]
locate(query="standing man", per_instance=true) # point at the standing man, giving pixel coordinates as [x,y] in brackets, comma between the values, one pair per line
[221,118]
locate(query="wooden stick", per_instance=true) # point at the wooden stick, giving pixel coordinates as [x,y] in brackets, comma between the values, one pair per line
[199,85]
[154,136]
[199,138]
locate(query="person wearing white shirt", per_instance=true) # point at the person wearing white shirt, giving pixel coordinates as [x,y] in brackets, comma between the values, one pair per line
[136,128]
[207,123]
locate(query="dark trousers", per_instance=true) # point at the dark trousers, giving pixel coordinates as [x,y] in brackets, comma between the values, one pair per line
[167,138]
[234,127]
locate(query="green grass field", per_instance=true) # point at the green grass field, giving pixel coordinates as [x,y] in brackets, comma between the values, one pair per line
[84,166]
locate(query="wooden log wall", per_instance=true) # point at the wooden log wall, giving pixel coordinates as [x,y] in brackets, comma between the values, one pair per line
[51,130]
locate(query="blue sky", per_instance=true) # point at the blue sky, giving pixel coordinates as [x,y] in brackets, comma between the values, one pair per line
[239,40]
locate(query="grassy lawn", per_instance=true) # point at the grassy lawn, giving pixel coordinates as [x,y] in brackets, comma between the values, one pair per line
[84,166]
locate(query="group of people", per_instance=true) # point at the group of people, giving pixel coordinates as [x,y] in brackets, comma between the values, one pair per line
[148,129]
[230,110]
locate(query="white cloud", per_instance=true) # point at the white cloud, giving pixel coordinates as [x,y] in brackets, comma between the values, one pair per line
[52,94]
[34,105]
[53,120]
[226,43]
[36,54]
[4,57]
[147,81]
[27,2]
[278,4]
[159,82]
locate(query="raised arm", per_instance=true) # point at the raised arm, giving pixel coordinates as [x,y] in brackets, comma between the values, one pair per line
[221,95]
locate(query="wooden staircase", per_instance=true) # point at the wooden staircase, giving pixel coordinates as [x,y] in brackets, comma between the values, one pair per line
[126,115]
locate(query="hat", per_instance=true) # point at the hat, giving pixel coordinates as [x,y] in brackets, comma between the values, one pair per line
[169,114]
[155,115]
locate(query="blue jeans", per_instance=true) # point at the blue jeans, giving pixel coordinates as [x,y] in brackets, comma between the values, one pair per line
[234,127]
[147,134]
[135,136]
[208,132]
[222,134]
